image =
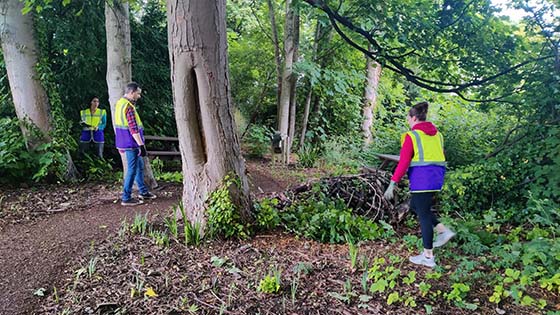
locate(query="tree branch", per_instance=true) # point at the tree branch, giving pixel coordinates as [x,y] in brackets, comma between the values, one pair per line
[395,64]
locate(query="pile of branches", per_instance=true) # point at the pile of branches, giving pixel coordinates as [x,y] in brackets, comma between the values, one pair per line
[363,193]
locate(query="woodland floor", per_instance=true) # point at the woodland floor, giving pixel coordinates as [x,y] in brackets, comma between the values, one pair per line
[49,232]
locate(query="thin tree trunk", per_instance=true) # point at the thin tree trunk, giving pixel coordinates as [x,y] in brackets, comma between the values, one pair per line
[293,85]
[277,57]
[20,57]
[203,109]
[310,88]
[373,75]
[287,77]
[119,67]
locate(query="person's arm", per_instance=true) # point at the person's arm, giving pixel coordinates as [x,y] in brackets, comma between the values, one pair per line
[407,152]
[133,126]
[405,157]
[103,122]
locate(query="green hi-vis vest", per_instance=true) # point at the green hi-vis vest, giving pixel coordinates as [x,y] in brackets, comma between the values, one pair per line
[428,150]
[92,120]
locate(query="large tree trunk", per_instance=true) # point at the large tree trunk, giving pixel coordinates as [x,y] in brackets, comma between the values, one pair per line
[119,67]
[373,70]
[287,79]
[277,57]
[20,56]
[203,109]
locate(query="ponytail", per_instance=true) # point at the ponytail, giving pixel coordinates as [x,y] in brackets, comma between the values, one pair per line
[419,110]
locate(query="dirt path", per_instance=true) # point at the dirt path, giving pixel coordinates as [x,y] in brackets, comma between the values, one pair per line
[38,249]
[35,254]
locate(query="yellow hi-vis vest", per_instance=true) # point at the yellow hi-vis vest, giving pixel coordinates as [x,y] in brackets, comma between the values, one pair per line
[428,150]
[123,136]
[93,120]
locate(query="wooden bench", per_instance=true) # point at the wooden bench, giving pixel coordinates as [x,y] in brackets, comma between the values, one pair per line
[386,159]
[170,145]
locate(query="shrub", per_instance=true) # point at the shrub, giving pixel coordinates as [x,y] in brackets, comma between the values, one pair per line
[308,155]
[257,141]
[16,163]
[328,221]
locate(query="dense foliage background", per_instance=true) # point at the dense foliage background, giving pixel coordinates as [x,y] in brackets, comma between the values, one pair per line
[502,136]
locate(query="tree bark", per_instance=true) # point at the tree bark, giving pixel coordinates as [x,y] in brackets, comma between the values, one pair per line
[203,109]
[119,60]
[20,57]
[293,86]
[310,88]
[287,79]
[373,75]
[277,57]
[119,67]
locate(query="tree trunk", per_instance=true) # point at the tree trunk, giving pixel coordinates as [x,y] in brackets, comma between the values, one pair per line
[277,57]
[203,109]
[20,57]
[287,79]
[310,88]
[293,92]
[373,70]
[119,60]
[119,67]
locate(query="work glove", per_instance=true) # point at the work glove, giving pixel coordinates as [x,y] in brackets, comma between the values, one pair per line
[389,192]
[143,151]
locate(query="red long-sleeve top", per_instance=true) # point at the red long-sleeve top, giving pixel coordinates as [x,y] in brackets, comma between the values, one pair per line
[407,149]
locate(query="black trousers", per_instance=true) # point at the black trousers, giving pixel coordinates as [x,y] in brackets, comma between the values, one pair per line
[421,203]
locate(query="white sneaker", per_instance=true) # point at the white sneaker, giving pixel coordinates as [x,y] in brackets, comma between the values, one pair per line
[443,238]
[423,260]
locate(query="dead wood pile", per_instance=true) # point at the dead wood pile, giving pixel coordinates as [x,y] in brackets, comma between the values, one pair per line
[363,193]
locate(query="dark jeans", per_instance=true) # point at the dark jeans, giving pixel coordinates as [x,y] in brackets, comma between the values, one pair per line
[86,146]
[421,203]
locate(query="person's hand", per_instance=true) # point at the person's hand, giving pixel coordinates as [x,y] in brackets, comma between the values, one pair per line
[143,151]
[389,194]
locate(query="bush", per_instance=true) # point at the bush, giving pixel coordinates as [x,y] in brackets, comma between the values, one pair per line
[16,163]
[308,156]
[478,187]
[341,155]
[328,221]
[257,142]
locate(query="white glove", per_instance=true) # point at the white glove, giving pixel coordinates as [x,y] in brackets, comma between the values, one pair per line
[389,192]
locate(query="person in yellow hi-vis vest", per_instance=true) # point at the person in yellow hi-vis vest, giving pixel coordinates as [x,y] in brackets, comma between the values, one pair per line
[423,156]
[93,121]
[129,139]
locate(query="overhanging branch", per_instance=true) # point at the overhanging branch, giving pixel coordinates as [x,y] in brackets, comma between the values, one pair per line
[393,63]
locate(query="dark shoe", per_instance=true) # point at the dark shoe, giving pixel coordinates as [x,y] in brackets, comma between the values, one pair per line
[131,202]
[147,195]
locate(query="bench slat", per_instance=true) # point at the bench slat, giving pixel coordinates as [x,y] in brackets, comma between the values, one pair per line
[164,153]
[390,157]
[162,138]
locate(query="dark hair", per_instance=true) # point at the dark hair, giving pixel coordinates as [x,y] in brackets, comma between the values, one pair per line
[93,97]
[419,110]
[132,87]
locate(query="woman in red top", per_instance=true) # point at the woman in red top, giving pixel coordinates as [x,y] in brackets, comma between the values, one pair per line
[422,155]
